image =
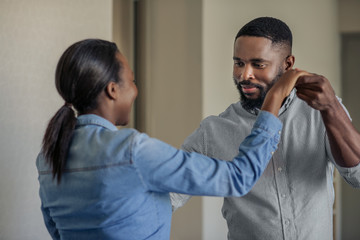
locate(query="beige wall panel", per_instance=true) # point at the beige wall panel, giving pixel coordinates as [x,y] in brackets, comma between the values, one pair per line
[173,69]
[169,81]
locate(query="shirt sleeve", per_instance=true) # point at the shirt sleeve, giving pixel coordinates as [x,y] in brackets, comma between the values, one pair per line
[350,175]
[164,168]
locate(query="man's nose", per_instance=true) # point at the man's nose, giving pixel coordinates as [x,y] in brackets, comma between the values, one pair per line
[247,73]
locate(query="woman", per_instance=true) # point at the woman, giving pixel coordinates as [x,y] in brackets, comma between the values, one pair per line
[98,182]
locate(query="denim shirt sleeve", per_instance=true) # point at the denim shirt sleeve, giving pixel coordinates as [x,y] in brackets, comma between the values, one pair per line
[164,168]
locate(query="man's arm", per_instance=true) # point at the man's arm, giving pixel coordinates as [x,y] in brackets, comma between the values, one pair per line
[344,139]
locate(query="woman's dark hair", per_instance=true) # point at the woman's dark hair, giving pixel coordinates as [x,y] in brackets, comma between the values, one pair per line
[271,28]
[83,72]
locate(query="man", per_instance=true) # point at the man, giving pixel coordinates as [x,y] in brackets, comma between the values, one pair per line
[294,197]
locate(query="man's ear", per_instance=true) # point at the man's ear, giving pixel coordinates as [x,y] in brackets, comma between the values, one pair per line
[111,90]
[289,62]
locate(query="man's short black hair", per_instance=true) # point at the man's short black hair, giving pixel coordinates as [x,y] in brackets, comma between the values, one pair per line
[271,28]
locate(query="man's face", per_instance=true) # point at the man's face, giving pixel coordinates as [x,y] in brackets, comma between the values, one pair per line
[258,64]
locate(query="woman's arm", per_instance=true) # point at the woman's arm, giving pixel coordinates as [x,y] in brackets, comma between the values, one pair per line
[281,89]
[164,168]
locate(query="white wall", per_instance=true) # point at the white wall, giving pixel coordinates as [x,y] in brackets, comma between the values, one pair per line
[33,34]
[316,49]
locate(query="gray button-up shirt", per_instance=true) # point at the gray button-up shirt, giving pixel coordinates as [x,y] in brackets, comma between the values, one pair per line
[294,197]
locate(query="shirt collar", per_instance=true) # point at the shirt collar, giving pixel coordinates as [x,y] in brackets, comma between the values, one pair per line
[92,119]
[283,108]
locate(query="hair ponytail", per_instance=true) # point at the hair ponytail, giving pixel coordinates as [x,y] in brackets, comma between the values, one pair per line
[57,139]
[82,73]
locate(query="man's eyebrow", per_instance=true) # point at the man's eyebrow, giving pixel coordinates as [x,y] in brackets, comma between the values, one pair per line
[251,60]
[257,60]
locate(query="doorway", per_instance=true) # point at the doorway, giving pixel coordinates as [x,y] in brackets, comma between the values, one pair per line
[350,197]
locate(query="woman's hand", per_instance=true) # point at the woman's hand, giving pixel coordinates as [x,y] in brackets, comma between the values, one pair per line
[281,90]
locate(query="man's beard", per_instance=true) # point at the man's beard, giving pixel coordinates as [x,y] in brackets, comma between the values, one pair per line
[252,104]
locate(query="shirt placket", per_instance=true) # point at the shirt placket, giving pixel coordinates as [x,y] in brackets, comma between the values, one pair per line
[283,195]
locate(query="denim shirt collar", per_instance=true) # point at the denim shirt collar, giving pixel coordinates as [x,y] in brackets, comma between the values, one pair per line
[92,119]
[283,108]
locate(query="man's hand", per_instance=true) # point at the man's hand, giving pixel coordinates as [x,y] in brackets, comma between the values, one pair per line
[317,92]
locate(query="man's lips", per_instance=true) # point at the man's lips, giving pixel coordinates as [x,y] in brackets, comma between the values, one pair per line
[248,89]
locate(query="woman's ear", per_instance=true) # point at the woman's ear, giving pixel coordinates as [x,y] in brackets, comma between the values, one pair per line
[111,90]
[289,62]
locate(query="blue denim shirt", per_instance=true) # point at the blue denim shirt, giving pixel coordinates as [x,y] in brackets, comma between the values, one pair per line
[116,183]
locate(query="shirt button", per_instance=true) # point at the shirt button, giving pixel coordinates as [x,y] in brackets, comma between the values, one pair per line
[280,169]
[287,222]
[272,153]
[283,195]
[279,132]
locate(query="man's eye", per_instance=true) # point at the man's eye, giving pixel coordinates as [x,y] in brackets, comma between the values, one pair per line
[258,65]
[239,64]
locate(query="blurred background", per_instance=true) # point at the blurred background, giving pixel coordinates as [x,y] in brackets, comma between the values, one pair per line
[181,53]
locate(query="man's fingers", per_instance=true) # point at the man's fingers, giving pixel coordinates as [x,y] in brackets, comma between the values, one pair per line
[308,87]
[305,98]
[310,78]
[307,92]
